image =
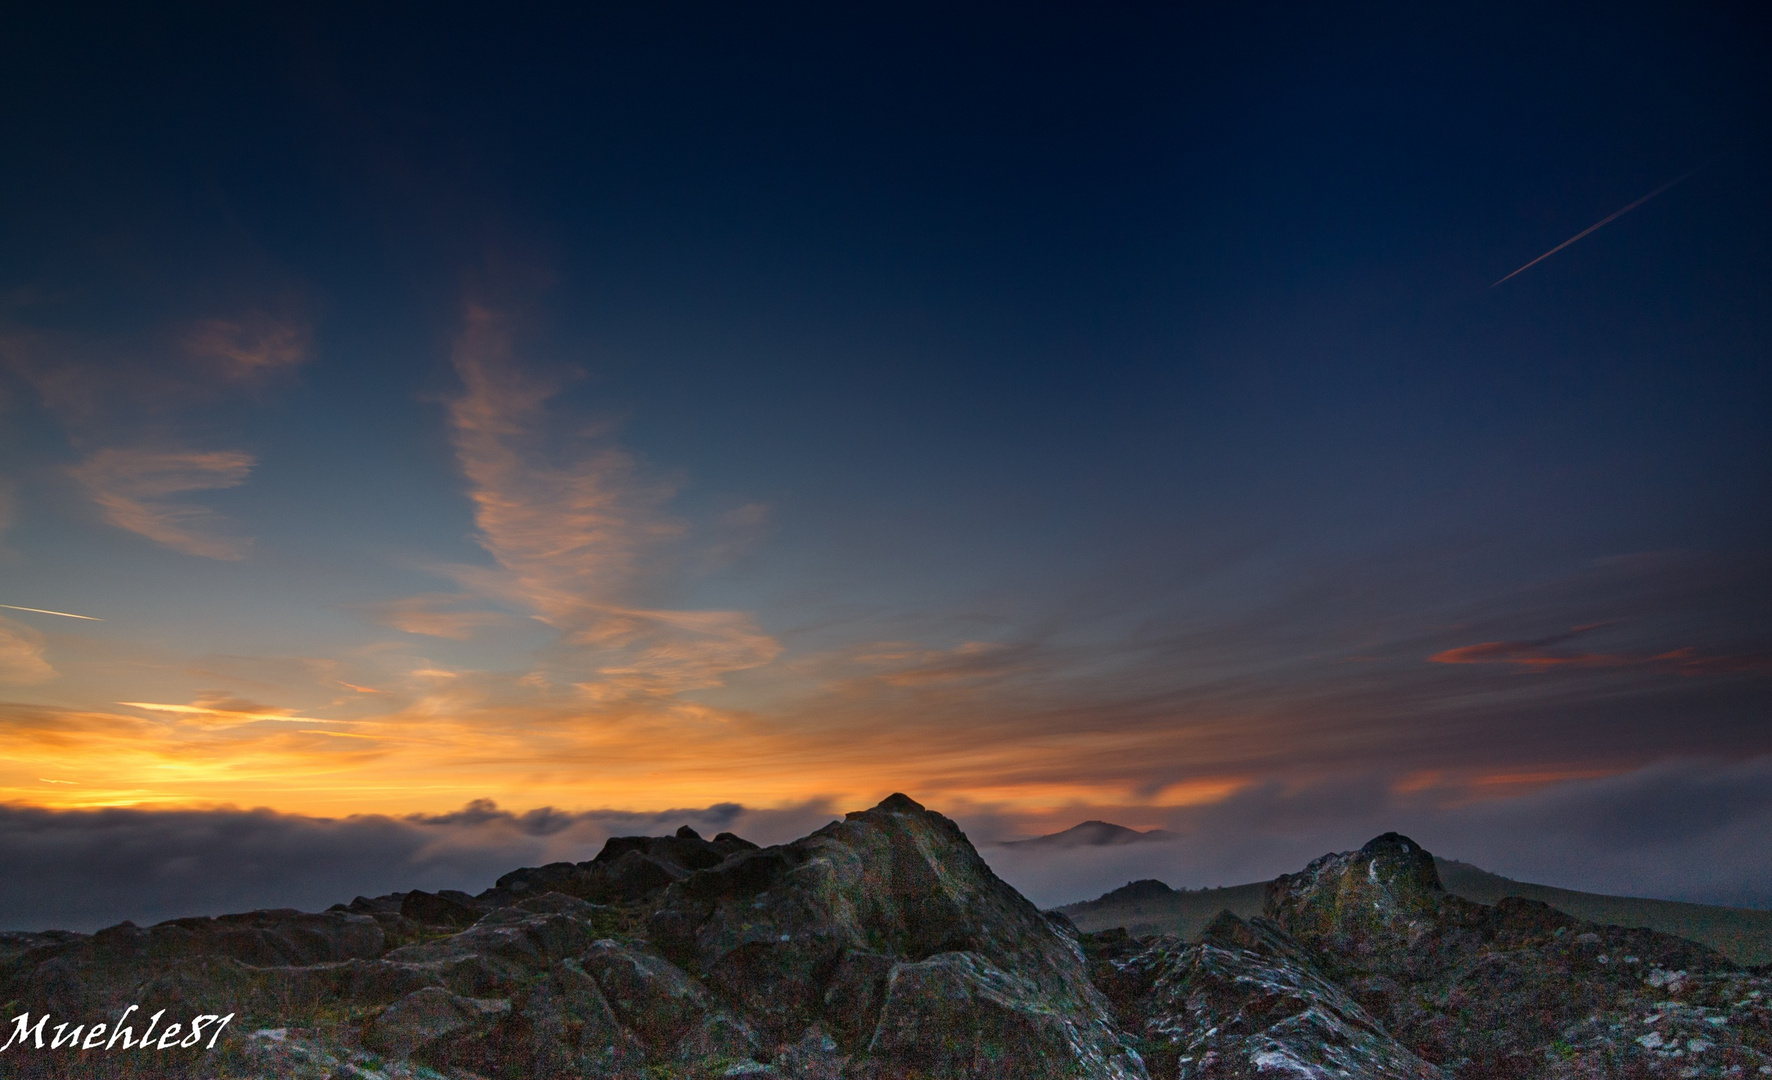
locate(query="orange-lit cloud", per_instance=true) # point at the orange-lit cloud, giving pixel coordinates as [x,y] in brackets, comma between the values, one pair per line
[1537,656]
[434,615]
[120,388]
[131,487]
[1460,787]
[216,709]
[908,664]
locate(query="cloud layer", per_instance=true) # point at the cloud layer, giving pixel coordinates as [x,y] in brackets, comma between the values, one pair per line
[1690,830]
[84,869]
[576,531]
[21,654]
[131,485]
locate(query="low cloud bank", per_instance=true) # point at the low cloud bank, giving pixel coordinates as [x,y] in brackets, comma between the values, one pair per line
[83,869]
[1698,830]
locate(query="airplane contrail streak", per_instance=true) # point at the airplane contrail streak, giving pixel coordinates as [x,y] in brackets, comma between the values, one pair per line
[46,611]
[1608,219]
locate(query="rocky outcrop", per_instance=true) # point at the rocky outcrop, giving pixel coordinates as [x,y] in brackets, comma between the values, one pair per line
[1243,1001]
[628,869]
[958,1015]
[783,933]
[1514,990]
[881,947]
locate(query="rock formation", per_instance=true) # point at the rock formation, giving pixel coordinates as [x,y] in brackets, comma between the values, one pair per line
[880,947]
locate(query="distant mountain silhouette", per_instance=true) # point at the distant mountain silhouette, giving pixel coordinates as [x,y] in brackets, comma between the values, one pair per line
[1093,834]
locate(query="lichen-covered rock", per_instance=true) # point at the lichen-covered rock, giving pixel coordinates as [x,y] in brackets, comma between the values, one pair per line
[1378,894]
[1245,1001]
[772,930]
[437,909]
[560,1025]
[671,1013]
[1517,989]
[105,971]
[627,870]
[524,937]
[1709,1025]
[956,1016]
[854,997]
[428,1017]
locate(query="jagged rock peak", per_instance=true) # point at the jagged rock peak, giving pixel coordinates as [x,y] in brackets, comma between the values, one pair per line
[899,803]
[1403,860]
[888,932]
[1384,885]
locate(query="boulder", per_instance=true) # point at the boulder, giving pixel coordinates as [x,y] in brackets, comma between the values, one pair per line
[514,936]
[1378,892]
[1245,1000]
[560,1025]
[434,909]
[671,1013]
[854,997]
[957,1016]
[430,1017]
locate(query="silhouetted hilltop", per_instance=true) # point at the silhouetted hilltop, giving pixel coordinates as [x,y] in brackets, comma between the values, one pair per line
[1092,834]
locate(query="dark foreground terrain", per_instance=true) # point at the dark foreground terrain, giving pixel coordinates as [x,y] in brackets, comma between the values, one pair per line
[881,947]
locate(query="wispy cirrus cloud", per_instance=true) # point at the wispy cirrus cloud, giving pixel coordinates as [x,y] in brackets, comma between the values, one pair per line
[576,530]
[1543,655]
[129,401]
[132,485]
[248,347]
[438,615]
[100,386]
[21,654]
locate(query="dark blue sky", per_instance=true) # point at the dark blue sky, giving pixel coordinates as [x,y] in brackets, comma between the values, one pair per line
[1049,411]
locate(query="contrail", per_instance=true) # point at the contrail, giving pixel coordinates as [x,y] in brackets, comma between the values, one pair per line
[46,611]
[1608,219]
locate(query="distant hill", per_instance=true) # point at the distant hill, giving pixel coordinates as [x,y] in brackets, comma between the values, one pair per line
[1092,834]
[1151,907]
[1142,909]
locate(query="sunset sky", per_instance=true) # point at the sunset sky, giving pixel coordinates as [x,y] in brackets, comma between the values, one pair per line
[1048,412]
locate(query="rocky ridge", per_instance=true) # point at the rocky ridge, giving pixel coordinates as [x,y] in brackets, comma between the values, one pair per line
[881,947]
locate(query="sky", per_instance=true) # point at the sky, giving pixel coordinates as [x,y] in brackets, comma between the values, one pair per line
[464,436]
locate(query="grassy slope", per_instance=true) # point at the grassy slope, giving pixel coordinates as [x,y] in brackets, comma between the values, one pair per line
[1741,934]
